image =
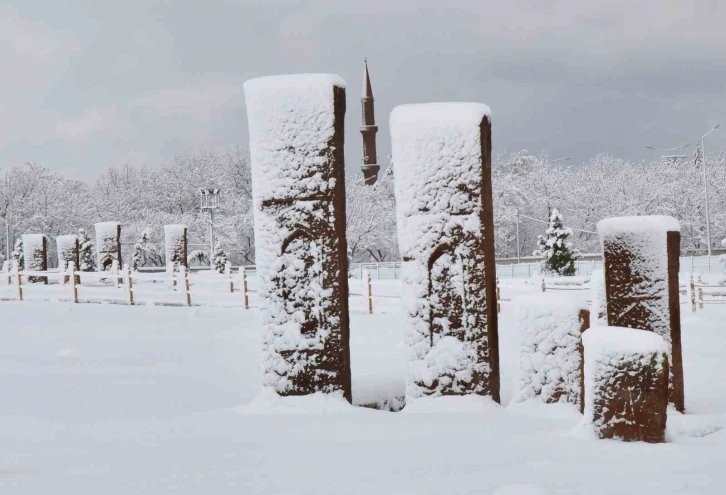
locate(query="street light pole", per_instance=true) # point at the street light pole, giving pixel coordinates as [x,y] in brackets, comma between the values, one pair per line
[705,191]
[519,259]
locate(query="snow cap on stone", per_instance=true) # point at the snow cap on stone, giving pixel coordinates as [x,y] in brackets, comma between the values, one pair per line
[437,152]
[638,224]
[291,119]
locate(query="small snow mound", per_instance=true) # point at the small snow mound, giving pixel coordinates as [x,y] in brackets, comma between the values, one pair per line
[537,408]
[449,404]
[67,352]
[519,489]
[269,402]
[681,426]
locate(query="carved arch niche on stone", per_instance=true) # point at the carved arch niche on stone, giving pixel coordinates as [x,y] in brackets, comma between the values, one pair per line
[299,271]
[446,293]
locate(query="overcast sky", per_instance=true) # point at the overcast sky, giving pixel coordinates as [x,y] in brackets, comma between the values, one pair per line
[89,84]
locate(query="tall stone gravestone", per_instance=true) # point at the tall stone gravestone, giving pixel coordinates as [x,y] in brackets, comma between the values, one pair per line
[296,150]
[108,244]
[641,263]
[442,159]
[35,254]
[67,247]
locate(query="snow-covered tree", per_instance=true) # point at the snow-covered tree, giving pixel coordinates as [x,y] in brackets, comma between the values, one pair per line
[221,257]
[86,252]
[17,256]
[559,256]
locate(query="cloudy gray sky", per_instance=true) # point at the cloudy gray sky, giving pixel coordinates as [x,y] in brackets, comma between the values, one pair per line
[89,84]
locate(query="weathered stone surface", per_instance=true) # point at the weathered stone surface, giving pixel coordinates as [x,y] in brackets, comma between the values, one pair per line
[641,262]
[550,351]
[442,157]
[626,383]
[296,147]
[35,254]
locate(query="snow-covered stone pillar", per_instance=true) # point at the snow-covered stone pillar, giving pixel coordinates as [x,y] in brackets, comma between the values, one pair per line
[550,351]
[67,247]
[108,244]
[442,159]
[641,262]
[626,384]
[296,150]
[35,254]
[175,244]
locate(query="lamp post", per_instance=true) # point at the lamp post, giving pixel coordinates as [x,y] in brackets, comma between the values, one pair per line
[209,201]
[705,192]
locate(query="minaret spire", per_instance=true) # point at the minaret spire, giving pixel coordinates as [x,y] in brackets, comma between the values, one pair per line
[368,130]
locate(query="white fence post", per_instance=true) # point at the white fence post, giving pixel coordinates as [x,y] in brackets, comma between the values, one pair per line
[369,292]
[18,282]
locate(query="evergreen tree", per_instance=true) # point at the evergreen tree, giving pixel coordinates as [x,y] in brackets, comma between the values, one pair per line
[17,255]
[140,248]
[559,256]
[221,257]
[85,252]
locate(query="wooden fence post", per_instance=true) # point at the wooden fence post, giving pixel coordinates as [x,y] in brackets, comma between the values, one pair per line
[243,274]
[73,280]
[369,292]
[184,274]
[700,298]
[129,286]
[693,294]
[114,272]
[499,296]
[6,271]
[544,287]
[18,282]
[171,270]
[228,273]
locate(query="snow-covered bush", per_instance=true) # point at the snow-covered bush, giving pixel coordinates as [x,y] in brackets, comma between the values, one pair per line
[559,256]
[17,255]
[86,252]
[441,183]
[296,147]
[175,244]
[198,256]
[550,351]
[626,383]
[221,258]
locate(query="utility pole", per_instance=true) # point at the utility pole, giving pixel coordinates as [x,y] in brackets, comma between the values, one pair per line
[705,191]
[519,256]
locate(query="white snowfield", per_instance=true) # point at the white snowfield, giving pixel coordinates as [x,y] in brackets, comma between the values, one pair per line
[156,400]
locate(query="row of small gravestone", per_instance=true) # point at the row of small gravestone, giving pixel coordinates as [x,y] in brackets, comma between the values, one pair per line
[621,377]
[108,247]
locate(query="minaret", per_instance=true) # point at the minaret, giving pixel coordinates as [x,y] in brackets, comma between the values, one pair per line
[368,129]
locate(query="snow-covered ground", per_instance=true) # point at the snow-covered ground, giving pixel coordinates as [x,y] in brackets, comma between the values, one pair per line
[109,399]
